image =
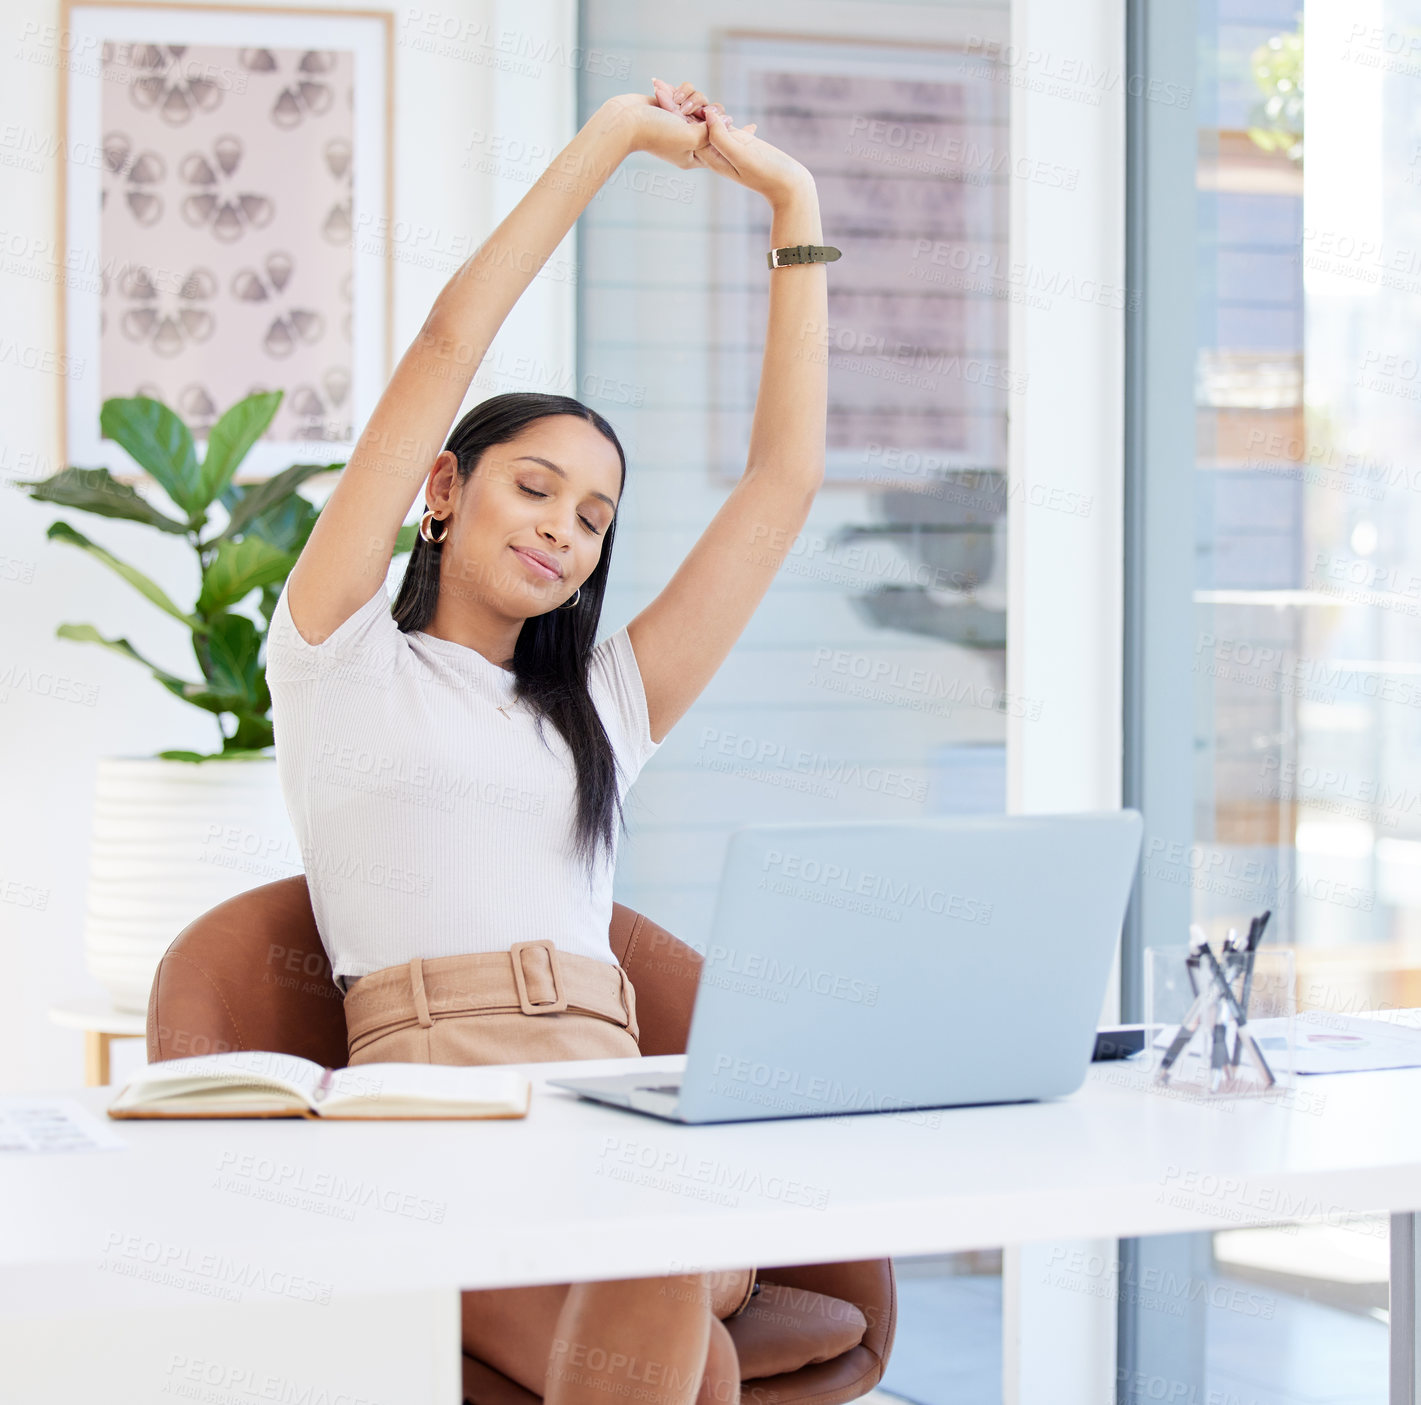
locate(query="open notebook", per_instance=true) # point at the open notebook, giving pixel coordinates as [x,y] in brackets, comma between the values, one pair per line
[254,1083]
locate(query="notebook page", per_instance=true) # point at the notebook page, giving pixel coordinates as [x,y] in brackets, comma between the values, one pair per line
[381,1084]
[243,1067]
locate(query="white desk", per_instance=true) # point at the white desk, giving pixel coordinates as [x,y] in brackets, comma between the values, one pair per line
[580,1191]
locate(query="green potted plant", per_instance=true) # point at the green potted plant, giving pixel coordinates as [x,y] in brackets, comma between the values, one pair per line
[1276,122]
[175,833]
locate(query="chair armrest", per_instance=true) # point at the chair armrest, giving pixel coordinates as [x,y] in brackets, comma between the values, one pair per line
[187,1013]
[664,972]
[867,1283]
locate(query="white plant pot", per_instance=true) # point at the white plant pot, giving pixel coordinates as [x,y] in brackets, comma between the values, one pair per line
[172,839]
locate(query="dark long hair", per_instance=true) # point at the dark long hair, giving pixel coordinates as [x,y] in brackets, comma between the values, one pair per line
[551,656]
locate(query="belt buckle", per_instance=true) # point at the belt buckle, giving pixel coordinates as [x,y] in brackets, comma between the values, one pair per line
[520,982]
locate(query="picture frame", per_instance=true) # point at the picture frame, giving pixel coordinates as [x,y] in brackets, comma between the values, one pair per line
[227,229]
[902,409]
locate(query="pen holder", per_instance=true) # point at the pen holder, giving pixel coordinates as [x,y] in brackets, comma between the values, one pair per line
[1222,1066]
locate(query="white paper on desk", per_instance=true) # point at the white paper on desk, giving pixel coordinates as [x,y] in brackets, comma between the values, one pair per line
[1328,1042]
[51,1125]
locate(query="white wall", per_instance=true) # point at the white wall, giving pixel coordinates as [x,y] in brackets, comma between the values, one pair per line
[48,748]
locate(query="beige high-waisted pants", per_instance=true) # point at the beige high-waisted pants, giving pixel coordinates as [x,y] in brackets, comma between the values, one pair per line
[530,1004]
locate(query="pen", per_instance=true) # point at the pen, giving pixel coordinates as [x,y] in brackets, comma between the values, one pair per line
[1254,937]
[1189,1025]
[1241,961]
[1198,937]
[1233,966]
[1217,1054]
[324,1086]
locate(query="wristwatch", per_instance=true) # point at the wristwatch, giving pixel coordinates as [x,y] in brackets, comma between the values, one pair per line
[802,253]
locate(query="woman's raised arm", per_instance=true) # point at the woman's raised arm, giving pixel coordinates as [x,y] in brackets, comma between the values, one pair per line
[684,635]
[353,541]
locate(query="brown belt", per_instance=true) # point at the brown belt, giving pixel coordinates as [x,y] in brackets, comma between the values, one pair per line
[533,978]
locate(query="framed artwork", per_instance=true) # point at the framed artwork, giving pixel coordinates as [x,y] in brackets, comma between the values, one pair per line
[230,234]
[910,154]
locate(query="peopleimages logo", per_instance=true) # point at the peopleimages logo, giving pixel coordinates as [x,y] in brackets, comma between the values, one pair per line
[755,967]
[898,893]
[772,1085]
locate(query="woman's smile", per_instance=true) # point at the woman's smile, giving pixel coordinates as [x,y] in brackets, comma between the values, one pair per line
[539,562]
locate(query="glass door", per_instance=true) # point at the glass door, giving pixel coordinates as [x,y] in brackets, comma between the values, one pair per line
[1277,649]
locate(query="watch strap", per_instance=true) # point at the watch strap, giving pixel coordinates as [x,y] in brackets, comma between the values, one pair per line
[802,253]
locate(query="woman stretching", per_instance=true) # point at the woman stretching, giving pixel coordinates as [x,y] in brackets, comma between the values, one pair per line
[455,768]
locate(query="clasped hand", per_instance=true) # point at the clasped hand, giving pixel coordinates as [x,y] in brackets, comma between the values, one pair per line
[681,126]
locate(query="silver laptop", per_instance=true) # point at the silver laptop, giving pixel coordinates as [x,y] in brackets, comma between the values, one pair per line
[880,966]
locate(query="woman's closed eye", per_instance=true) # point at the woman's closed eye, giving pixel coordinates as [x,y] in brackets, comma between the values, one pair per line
[534,493]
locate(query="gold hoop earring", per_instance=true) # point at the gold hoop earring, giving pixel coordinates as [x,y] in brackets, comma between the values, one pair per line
[576,596]
[424,528]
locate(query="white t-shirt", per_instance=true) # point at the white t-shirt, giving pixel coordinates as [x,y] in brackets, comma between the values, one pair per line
[432,816]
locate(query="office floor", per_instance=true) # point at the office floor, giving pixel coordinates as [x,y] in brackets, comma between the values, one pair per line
[947,1346]
[1308,1354]
[947,1350]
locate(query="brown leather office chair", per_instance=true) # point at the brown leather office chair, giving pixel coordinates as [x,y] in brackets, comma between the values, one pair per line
[252,974]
